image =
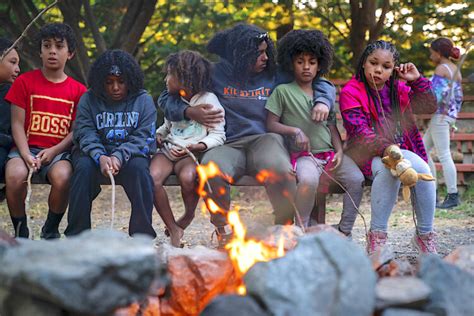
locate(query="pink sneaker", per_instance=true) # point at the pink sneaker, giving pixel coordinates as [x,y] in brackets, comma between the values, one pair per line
[376,241]
[425,243]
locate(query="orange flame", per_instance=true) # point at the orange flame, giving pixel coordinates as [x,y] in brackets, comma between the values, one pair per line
[243,252]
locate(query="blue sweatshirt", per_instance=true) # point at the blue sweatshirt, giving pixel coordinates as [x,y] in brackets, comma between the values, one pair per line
[123,129]
[245,112]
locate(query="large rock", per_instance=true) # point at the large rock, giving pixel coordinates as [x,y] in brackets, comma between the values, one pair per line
[401,292]
[324,275]
[197,275]
[463,257]
[234,305]
[93,273]
[452,288]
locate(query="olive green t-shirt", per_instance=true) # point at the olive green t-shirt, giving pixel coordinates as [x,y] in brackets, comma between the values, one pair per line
[293,106]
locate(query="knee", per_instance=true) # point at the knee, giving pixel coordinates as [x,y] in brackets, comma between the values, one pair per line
[308,181]
[60,176]
[187,179]
[15,175]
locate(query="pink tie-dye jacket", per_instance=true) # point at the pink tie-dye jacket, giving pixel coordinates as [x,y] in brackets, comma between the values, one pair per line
[359,114]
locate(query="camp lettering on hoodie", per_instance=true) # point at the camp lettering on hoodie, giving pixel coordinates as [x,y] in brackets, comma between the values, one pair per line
[124,129]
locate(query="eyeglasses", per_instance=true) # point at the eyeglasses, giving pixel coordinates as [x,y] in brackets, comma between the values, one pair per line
[262,36]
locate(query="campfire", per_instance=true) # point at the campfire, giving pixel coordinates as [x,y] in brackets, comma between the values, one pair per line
[244,252]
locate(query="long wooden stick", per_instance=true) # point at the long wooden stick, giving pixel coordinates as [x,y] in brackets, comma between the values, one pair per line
[27,28]
[112,182]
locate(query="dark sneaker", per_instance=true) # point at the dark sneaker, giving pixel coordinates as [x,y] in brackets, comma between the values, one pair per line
[224,236]
[50,234]
[451,200]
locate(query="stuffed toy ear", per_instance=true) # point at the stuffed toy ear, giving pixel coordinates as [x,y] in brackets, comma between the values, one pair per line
[406,193]
[425,176]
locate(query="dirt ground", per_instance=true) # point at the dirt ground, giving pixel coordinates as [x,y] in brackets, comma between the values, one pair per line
[454,227]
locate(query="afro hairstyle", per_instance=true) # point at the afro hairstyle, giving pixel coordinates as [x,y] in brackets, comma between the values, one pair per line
[192,70]
[112,61]
[239,46]
[312,42]
[57,30]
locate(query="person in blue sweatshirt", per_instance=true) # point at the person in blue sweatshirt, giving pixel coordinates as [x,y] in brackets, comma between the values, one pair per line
[243,80]
[114,131]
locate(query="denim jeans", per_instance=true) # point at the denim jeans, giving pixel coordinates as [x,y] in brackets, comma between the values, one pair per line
[438,136]
[384,194]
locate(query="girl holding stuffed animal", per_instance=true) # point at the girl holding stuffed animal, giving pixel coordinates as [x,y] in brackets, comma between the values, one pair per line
[377,109]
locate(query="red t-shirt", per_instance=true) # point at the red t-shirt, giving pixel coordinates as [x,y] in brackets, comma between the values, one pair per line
[50,107]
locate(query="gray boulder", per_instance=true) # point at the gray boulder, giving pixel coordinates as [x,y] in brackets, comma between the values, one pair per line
[324,275]
[93,273]
[452,289]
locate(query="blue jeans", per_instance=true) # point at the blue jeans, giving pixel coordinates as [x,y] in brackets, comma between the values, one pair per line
[384,194]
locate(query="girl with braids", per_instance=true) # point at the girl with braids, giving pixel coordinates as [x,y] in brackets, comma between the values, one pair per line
[114,132]
[188,75]
[307,55]
[243,80]
[377,109]
[9,70]
[448,91]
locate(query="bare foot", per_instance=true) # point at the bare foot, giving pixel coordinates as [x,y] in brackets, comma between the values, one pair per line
[175,236]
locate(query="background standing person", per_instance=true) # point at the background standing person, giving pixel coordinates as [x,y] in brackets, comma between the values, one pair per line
[448,90]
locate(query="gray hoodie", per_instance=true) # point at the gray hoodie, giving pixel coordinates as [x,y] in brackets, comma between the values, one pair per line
[123,129]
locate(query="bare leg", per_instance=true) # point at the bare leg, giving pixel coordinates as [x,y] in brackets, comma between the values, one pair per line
[160,168]
[15,179]
[59,176]
[185,169]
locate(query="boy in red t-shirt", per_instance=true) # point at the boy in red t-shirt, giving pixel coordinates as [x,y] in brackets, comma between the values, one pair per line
[44,105]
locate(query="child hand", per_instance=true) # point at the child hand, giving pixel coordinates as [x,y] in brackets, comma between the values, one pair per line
[116,165]
[105,165]
[177,152]
[197,147]
[159,140]
[319,112]
[32,162]
[302,141]
[407,72]
[46,155]
[337,160]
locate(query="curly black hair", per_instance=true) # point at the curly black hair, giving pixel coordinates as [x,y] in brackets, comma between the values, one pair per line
[239,46]
[116,62]
[57,30]
[192,70]
[5,44]
[297,42]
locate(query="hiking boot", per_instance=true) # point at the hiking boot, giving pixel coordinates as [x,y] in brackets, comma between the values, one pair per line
[425,243]
[451,200]
[376,240]
[224,235]
[50,233]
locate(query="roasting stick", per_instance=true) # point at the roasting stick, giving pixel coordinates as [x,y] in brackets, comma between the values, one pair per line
[112,182]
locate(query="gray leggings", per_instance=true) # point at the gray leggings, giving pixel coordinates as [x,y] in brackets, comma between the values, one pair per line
[384,195]
[437,136]
[348,173]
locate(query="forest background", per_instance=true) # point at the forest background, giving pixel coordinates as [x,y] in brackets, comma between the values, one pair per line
[152,29]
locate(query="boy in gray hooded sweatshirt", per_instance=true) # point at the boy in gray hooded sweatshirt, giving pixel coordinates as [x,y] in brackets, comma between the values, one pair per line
[114,131]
